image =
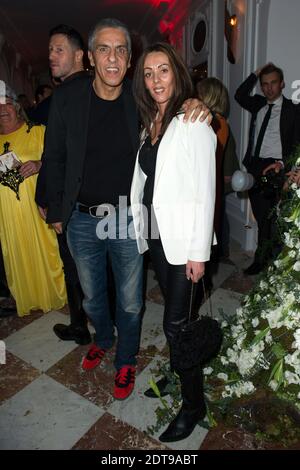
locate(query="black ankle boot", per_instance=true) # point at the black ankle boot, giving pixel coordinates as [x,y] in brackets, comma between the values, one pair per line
[193,407]
[161,385]
[79,334]
[77,331]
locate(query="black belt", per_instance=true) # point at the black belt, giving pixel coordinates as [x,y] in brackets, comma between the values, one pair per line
[99,211]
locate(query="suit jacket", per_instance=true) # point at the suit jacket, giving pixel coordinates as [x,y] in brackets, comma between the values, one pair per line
[66,142]
[41,115]
[184,192]
[41,112]
[289,118]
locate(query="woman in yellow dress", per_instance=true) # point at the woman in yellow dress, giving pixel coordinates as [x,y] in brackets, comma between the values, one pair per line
[32,263]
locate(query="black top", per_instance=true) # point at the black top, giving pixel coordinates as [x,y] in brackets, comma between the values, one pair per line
[147,161]
[109,160]
[67,139]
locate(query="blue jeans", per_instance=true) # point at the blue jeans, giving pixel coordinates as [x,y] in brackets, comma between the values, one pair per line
[90,254]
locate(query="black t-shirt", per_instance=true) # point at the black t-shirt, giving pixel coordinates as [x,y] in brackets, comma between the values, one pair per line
[147,161]
[110,158]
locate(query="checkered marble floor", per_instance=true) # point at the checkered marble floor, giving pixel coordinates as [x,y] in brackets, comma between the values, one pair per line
[48,402]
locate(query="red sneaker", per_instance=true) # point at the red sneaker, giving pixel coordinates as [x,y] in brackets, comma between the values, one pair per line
[124,382]
[93,357]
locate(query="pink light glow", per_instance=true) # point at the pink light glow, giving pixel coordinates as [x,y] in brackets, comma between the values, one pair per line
[171,13]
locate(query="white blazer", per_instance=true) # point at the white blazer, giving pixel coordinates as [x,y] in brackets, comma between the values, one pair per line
[184,192]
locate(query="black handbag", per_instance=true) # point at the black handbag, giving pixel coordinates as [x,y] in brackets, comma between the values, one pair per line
[198,341]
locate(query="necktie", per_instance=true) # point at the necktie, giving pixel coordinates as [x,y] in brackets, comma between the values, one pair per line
[262,131]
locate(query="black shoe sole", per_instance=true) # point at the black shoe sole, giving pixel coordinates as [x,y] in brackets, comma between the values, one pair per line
[151,394]
[177,438]
[165,438]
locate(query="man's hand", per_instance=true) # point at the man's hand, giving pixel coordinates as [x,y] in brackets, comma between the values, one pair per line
[57,227]
[198,109]
[195,270]
[32,167]
[43,212]
[277,166]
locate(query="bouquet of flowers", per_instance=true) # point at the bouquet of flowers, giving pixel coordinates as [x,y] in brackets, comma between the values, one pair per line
[9,173]
[261,343]
[261,347]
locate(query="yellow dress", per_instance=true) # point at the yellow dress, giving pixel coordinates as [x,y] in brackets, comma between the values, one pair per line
[33,266]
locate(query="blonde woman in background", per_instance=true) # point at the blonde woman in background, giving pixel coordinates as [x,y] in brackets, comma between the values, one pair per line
[215,95]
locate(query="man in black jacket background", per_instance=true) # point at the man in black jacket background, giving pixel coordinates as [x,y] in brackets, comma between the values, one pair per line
[274,130]
[66,52]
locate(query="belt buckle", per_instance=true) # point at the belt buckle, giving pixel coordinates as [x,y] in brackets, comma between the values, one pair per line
[100,211]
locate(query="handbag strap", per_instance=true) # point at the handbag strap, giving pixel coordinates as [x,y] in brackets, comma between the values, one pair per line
[191,302]
[207,301]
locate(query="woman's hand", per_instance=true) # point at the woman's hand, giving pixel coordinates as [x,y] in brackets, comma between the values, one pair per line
[195,270]
[198,109]
[294,177]
[32,167]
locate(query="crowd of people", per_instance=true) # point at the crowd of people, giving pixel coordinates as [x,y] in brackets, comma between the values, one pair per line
[89,204]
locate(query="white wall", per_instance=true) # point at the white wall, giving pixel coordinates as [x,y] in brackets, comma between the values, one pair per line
[283,44]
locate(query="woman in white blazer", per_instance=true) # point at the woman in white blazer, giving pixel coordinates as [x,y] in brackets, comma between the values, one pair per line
[172,200]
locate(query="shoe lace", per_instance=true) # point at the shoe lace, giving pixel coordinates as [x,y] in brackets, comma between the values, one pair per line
[125,376]
[95,352]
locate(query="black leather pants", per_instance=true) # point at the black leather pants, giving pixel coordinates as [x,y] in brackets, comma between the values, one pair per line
[175,287]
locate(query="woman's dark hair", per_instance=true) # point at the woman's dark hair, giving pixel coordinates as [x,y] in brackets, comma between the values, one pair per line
[183,87]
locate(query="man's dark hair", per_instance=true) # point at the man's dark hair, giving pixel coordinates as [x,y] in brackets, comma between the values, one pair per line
[71,33]
[271,68]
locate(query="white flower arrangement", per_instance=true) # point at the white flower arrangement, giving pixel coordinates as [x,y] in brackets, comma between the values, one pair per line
[261,347]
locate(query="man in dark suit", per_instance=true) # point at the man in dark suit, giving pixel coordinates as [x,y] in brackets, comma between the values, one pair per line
[274,130]
[66,50]
[91,143]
